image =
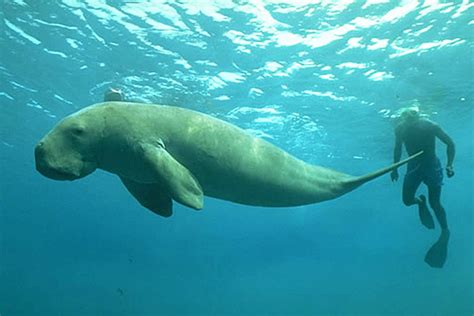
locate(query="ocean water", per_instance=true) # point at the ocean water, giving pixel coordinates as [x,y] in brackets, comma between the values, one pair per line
[320,79]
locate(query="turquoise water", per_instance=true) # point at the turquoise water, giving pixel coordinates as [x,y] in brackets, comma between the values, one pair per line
[320,79]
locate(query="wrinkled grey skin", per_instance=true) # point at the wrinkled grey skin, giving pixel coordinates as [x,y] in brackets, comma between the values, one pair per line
[164,153]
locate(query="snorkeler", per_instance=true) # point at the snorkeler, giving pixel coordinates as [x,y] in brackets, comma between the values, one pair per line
[113,94]
[418,134]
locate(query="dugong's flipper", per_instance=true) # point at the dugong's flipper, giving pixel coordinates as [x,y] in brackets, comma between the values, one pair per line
[150,196]
[182,186]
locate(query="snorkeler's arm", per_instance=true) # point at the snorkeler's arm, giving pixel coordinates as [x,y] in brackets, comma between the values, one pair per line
[397,150]
[397,153]
[451,148]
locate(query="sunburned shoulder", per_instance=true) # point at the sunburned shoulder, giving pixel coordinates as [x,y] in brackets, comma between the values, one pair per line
[422,125]
[427,121]
[428,124]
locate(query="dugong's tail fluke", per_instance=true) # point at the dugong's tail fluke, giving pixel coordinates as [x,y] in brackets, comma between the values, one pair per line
[355,182]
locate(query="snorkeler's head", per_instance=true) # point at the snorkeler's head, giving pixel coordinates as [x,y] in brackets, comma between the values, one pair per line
[113,94]
[410,114]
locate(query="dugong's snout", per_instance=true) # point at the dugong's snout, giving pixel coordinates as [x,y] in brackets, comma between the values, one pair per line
[49,167]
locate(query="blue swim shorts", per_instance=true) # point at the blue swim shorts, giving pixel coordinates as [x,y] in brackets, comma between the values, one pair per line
[430,172]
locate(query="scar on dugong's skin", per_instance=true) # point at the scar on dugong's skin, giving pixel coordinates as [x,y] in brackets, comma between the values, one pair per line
[164,153]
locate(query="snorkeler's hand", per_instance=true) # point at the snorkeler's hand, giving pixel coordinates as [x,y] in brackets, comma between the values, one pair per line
[449,171]
[394,175]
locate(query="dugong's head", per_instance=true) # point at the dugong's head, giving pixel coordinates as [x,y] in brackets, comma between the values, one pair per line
[70,150]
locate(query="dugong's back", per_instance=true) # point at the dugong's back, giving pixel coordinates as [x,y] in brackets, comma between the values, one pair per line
[228,162]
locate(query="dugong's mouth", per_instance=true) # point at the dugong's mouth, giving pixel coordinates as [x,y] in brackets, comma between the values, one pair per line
[49,171]
[55,174]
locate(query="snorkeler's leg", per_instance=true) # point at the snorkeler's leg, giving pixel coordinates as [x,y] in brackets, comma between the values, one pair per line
[410,185]
[437,254]
[434,193]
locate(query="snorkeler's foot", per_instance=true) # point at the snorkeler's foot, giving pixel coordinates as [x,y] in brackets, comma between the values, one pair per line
[425,216]
[436,256]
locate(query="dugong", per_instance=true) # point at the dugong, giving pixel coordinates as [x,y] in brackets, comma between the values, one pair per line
[164,153]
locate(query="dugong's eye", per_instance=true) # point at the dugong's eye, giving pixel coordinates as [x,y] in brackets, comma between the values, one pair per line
[78,130]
